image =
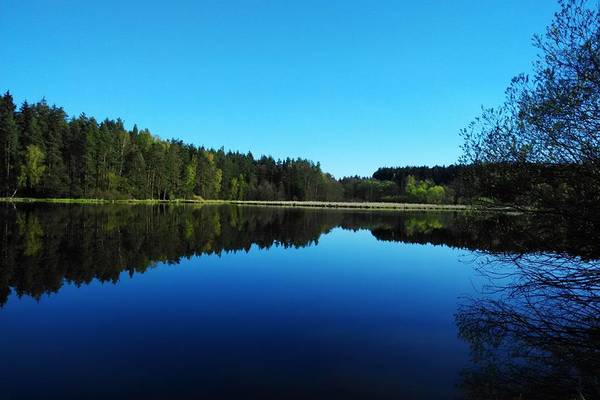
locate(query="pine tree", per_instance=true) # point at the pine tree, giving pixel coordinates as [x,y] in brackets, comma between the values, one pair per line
[9,146]
[55,181]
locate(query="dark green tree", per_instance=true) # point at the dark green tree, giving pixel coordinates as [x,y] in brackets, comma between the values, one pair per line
[9,146]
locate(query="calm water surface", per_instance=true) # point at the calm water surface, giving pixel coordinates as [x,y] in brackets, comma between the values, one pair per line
[162,302]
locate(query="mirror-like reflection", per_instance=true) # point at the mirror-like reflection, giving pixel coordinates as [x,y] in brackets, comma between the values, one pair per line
[534,329]
[44,246]
[532,325]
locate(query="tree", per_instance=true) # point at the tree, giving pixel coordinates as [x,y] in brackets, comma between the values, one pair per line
[190,177]
[29,127]
[55,180]
[209,176]
[242,188]
[547,132]
[173,167]
[9,145]
[33,169]
[435,194]
[234,188]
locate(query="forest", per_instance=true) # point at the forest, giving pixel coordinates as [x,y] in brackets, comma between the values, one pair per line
[46,153]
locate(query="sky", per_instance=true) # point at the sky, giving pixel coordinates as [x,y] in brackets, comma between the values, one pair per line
[353,84]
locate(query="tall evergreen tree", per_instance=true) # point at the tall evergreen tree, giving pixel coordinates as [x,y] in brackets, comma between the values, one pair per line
[9,145]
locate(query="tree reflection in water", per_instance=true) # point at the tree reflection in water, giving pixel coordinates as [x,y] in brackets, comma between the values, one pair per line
[534,331]
[44,246]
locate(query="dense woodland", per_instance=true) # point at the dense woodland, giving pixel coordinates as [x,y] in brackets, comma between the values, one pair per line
[45,153]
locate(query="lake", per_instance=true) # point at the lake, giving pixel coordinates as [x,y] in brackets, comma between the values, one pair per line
[159,302]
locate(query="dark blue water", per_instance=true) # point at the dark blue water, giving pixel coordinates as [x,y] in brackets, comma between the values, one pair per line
[344,315]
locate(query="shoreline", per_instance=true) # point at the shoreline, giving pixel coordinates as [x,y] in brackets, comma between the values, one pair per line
[290,204]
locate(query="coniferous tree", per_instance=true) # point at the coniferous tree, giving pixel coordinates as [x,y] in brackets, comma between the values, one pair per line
[9,145]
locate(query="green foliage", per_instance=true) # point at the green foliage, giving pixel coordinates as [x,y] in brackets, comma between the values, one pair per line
[234,188]
[9,145]
[50,155]
[33,169]
[436,194]
[190,177]
[424,191]
[209,176]
[541,147]
[364,189]
[46,154]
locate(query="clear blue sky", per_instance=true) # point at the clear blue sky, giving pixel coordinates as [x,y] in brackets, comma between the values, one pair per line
[352,84]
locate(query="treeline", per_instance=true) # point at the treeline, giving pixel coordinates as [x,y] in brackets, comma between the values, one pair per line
[409,190]
[412,184]
[543,185]
[44,153]
[440,175]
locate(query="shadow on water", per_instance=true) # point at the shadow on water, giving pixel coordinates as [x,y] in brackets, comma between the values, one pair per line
[533,328]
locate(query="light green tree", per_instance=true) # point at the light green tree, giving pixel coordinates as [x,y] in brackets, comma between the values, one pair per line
[190,177]
[242,187]
[32,171]
[435,194]
[424,191]
[209,176]
[234,188]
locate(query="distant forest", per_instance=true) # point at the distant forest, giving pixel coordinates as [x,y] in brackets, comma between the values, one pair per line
[45,153]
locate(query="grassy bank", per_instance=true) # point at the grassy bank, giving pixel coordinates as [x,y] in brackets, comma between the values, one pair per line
[354,205]
[305,204]
[84,201]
